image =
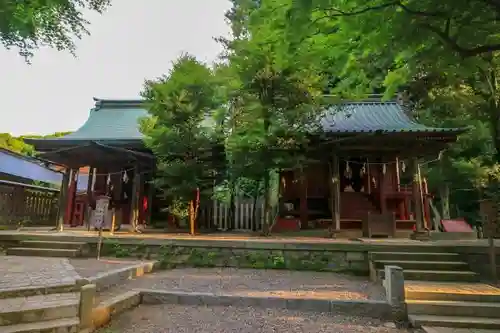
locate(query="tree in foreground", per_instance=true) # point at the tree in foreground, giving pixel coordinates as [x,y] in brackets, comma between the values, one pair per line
[180,132]
[29,25]
[274,97]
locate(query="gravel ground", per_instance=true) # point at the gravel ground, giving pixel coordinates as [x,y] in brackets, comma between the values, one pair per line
[258,283]
[191,319]
[87,267]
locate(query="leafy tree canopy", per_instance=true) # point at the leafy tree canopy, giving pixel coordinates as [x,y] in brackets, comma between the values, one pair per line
[28,25]
[180,130]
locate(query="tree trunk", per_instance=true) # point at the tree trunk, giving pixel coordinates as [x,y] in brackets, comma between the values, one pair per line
[254,213]
[232,206]
[267,207]
[444,194]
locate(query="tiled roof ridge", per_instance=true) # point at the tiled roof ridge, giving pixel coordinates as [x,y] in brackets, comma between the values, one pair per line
[117,103]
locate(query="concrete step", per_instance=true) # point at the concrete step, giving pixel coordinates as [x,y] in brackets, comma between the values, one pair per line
[415,256]
[455,321]
[33,252]
[67,325]
[454,308]
[21,310]
[424,265]
[51,245]
[431,275]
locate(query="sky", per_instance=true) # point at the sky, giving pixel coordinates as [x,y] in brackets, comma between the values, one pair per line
[132,41]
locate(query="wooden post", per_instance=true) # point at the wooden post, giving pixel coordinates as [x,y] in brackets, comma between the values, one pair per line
[70,195]
[90,191]
[304,214]
[63,199]
[335,193]
[425,203]
[417,200]
[398,176]
[134,200]
[382,189]
[369,178]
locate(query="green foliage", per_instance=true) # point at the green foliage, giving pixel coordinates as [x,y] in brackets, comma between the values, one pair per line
[180,130]
[274,95]
[17,144]
[443,53]
[28,25]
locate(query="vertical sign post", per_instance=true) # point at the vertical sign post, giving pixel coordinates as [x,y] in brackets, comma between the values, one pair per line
[101,209]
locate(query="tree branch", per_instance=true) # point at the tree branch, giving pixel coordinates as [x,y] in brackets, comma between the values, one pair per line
[443,35]
[463,52]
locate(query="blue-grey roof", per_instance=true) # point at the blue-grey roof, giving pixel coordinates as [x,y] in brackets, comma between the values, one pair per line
[14,164]
[373,116]
[22,166]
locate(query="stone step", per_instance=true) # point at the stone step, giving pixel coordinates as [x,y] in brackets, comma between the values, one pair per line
[32,252]
[451,297]
[454,308]
[66,325]
[431,275]
[455,321]
[21,310]
[415,256]
[428,329]
[424,265]
[51,245]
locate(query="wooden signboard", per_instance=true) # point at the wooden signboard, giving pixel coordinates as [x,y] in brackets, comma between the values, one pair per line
[490,217]
[489,211]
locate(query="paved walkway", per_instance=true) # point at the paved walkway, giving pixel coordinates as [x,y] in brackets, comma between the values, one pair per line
[22,272]
[255,282]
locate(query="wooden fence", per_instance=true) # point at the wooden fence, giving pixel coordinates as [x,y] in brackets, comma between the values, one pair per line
[27,205]
[217,215]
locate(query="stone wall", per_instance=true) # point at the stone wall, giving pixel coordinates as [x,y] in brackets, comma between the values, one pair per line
[480,263]
[270,257]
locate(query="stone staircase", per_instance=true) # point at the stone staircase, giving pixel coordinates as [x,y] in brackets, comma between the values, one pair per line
[441,290]
[52,313]
[474,306]
[426,266]
[49,249]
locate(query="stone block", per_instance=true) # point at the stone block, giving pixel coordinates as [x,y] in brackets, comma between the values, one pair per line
[153,297]
[395,292]
[87,295]
[355,256]
[304,304]
[364,308]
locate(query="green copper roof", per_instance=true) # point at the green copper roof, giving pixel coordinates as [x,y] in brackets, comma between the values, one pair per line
[111,120]
[117,121]
[374,116]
